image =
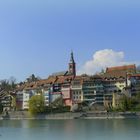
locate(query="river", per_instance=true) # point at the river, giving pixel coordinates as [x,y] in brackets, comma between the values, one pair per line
[127,129]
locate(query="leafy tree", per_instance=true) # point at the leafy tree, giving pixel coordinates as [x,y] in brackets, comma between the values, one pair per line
[8,85]
[136,102]
[4,85]
[138,69]
[33,78]
[138,97]
[57,106]
[13,104]
[1,108]
[126,103]
[57,102]
[130,104]
[37,104]
[12,82]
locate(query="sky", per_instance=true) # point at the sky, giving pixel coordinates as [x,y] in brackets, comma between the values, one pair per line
[37,36]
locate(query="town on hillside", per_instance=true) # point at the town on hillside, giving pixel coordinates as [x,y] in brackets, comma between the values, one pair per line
[115,88]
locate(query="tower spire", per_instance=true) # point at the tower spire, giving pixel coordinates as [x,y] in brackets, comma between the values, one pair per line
[72,65]
[72,58]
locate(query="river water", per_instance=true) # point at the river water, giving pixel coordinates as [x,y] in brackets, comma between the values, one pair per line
[70,130]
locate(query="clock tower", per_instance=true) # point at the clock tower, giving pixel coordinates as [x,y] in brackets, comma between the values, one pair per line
[72,66]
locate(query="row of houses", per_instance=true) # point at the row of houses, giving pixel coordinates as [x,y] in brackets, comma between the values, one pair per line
[96,90]
[100,90]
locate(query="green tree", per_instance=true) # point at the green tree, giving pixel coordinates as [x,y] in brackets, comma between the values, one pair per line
[126,103]
[1,108]
[8,85]
[57,105]
[138,69]
[33,78]
[12,82]
[5,85]
[138,97]
[37,104]
[136,102]
[13,103]
[57,102]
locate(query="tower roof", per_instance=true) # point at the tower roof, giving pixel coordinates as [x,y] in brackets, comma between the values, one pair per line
[72,58]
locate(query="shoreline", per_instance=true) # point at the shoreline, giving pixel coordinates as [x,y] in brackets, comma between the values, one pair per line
[73,116]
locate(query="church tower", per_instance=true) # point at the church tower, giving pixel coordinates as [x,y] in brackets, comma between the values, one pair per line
[72,66]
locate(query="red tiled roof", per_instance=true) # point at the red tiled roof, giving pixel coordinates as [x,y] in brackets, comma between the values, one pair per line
[121,68]
[31,85]
[63,79]
[34,85]
[115,74]
[50,80]
[134,75]
[20,88]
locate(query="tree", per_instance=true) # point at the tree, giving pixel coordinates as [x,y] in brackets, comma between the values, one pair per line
[1,108]
[13,103]
[138,97]
[33,78]
[130,104]
[12,82]
[5,85]
[57,102]
[8,85]
[57,106]
[126,103]
[138,68]
[136,102]
[37,104]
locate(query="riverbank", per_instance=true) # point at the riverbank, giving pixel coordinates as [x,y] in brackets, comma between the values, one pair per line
[20,115]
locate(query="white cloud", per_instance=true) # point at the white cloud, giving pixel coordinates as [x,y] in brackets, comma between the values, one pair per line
[102,59]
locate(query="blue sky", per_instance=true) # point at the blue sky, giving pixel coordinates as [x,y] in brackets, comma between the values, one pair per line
[36,36]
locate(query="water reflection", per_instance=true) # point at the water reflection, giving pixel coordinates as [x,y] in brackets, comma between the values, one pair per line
[70,129]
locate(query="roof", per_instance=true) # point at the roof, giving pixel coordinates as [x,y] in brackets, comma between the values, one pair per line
[122,68]
[97,77]
[82,79]
[64,79]
[20,87]
[50,80]
[115,74]
[62,73]
[33,85]
[78,80]
[135,75]
[78,77]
